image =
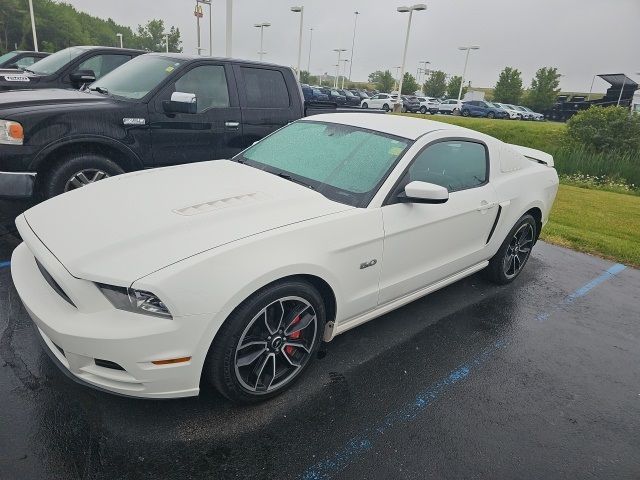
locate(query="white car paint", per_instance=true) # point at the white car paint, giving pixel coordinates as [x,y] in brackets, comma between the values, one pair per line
[449,105]
[203,237]
[431,104]
[513,113]
[380,101]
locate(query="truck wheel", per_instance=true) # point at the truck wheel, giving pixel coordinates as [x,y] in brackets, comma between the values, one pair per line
[77,171]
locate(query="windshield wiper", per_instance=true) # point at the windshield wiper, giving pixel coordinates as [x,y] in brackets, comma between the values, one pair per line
[286,176]
[101,90]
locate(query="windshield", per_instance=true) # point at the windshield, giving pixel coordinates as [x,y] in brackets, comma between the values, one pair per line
[343,163]
[137,77]
[7,56]
[56,61]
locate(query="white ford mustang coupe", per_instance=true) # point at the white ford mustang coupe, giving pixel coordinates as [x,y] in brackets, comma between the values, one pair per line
[232,272]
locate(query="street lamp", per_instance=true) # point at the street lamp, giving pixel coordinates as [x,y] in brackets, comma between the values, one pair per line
[310,40]
[415,8]
[33,26]
[262,26]
[119,35]
[339,50]
[397,79]
[464,71]
[166,42]
[353,42]
[229,49]
[299,10]
[209,2]
[198,13]
[422,69]
[344,71]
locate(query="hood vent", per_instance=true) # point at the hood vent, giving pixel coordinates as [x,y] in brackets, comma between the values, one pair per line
[235,201]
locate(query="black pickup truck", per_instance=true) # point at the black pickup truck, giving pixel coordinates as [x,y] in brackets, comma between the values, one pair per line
[72,67]
[19,59]
[154,111]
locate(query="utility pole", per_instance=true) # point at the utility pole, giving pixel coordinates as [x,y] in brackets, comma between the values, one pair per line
[33,26]
[299,10]
[415,8]
[198,13]
[229,49]
[353,42]
[310,41]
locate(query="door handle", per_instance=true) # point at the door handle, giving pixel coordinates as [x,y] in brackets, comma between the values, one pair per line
[484,206]
[232,124]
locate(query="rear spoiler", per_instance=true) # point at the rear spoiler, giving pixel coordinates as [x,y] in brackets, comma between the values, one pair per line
[535,155]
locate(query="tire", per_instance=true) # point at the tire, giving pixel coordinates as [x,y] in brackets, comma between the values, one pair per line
[465,113]
[522,236]
[491,115]
[65,175]
[365,105]
[385,107]
[404,110]
[253,381]
[423,110]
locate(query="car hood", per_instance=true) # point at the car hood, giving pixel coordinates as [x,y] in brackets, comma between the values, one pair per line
[47,96]
[123,228]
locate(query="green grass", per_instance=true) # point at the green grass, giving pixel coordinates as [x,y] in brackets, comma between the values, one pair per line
[613,166]
[598,222]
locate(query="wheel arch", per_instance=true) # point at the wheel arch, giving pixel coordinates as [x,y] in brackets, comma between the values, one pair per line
[536,213]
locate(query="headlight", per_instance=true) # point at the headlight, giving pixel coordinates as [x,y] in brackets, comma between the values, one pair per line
[11,133]
[137,301]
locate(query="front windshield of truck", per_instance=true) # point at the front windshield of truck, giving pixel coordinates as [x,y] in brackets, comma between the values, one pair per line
[56,61]
[137,77]
[7,56]
[344,163]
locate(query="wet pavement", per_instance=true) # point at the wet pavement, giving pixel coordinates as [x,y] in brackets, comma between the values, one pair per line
[538,379]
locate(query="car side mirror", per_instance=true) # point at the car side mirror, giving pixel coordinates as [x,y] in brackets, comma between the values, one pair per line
[80,77]
[181,103]
[423,192]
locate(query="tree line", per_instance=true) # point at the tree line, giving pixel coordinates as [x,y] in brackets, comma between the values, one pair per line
[60,25]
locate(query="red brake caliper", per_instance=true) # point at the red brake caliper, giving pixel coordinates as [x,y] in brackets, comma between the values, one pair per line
[294,336]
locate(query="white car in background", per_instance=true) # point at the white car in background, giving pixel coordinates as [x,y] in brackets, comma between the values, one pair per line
[232,272]
[449,106]
[428,104]
[511,110]
[380,101]
[533,115]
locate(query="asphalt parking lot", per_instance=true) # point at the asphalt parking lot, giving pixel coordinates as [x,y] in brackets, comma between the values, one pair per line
[538,379]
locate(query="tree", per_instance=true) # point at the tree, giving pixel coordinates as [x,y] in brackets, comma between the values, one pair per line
[151,37]
[544,89]
[605,129]
[409,84]
[453,87]
[385,81]
[508,89]
[436,84]
[375,76]
[305,77]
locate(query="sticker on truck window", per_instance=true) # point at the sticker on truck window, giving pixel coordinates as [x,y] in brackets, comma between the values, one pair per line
[16,78]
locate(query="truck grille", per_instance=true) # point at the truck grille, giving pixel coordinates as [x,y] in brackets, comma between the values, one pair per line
[53,284]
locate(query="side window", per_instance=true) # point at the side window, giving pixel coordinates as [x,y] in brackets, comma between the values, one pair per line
[26,62]
[103,64]
[453,164]
[209,83]
[265,88]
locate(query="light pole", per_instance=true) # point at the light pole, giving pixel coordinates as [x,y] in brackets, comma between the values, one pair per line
[262,26]
[339,50]
[119,35]
[397,79]
[33,26]
[299,10]
[591,88]
[198,13]
[309,60]
[209,2]
[415,8]
[229,42]
[353,42]
[464,71]
[624,81]
[344,71]
[421,69]
[166,42]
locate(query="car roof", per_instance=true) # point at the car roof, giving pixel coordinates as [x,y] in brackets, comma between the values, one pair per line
[400,126]
[115,49]
[188,57]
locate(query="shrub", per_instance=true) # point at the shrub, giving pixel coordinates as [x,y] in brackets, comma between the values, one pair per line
[604,129]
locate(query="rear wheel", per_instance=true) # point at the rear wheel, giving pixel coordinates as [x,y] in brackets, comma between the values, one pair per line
[267,342]
[514,252]
[385,107]
[491,115]
[423,110]
[365,105]
[465,113]
[76,172]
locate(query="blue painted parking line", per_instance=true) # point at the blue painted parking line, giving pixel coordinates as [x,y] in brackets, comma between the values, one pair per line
[363,442]
[5,264]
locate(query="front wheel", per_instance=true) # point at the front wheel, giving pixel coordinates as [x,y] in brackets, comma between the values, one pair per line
[465,113]
[267,342]
[365,105]
[385,107]
[514,252]
[423,110]
[491,115]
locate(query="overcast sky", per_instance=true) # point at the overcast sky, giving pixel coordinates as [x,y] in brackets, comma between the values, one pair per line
[580,37]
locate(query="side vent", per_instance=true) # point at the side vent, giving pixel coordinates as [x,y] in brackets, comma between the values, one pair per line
[220,203]
[495,224]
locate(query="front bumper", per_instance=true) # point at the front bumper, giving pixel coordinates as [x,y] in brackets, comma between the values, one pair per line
[17,184]
[104,347]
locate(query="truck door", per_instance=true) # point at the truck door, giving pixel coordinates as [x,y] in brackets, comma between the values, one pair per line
[212,133]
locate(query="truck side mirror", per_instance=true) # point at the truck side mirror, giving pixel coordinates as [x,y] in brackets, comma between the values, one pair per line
[181,103]
[80,77]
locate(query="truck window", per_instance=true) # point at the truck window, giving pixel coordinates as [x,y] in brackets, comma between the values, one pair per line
[103,64]
[265,88]
[209,83]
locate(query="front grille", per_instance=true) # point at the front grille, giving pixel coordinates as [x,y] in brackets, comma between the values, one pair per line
[107,364]
[53,284]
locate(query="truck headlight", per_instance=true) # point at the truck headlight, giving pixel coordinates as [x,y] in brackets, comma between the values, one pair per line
[136,301]
[11,133]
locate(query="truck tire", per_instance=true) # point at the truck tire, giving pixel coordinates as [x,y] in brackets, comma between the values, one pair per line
[76,171]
